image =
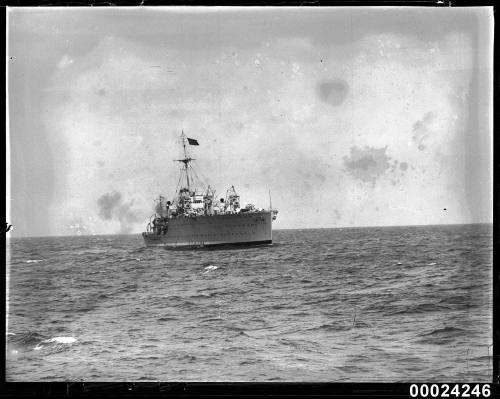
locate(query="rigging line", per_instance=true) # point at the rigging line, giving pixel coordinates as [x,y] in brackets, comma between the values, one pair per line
[202,178]
[194,176]
[200,181]
[189,177]
[178,184]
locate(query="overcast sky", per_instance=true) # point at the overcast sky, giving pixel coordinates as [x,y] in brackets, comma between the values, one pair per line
[351,117]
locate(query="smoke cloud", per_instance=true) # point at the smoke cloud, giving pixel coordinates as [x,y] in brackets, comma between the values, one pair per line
[113,207]
[107,203]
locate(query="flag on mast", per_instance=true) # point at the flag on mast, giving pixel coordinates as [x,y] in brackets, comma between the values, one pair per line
[192,141]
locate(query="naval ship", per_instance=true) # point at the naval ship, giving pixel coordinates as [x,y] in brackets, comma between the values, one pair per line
[195,218]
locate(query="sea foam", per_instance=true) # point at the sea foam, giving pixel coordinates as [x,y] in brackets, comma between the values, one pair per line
[210,268]
[57,340]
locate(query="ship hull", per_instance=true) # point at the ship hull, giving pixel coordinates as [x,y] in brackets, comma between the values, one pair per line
[251,228]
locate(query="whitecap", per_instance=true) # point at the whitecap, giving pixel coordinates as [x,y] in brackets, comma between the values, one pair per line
[432,264]
[62,340]
[57,340]
[210,268]
[33,260]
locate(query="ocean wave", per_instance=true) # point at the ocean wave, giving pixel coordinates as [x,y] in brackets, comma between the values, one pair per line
[448,331]
[24,339]
[441,336]
[362,324]
[140,250]
[416,308]
[236,328]
[482,358]
[248,362]
[211,319]
[187,356]
[128,288]
[28,341]
[167,318]
[56,343]
[331,298]
[330,327]
[324,309]
[201,296]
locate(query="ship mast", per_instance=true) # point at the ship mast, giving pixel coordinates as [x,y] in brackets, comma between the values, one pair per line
[186,160]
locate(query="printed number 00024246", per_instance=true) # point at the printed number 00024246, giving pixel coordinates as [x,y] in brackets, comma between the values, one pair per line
[450,390]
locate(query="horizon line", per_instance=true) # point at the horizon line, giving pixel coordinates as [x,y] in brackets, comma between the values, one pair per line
[282,229]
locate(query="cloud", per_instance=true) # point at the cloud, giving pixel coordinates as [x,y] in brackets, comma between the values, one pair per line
[107,203]
[112,207]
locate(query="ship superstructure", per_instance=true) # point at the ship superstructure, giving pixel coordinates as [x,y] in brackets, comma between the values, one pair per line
[195,218]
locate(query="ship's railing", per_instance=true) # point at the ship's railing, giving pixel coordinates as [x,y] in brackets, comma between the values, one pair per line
[201,212]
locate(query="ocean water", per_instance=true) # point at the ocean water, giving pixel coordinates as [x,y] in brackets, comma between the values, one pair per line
[338,305]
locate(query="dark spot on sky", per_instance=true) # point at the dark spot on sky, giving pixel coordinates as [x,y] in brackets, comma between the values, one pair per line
[422,129]
[321,177]
[100,163]
[102,92]
[177,113]
[403,166]
[307,185]
[367,164]
[444,209]
[362,163]
[333,91]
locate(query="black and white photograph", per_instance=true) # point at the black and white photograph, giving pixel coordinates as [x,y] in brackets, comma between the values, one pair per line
[249,194]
